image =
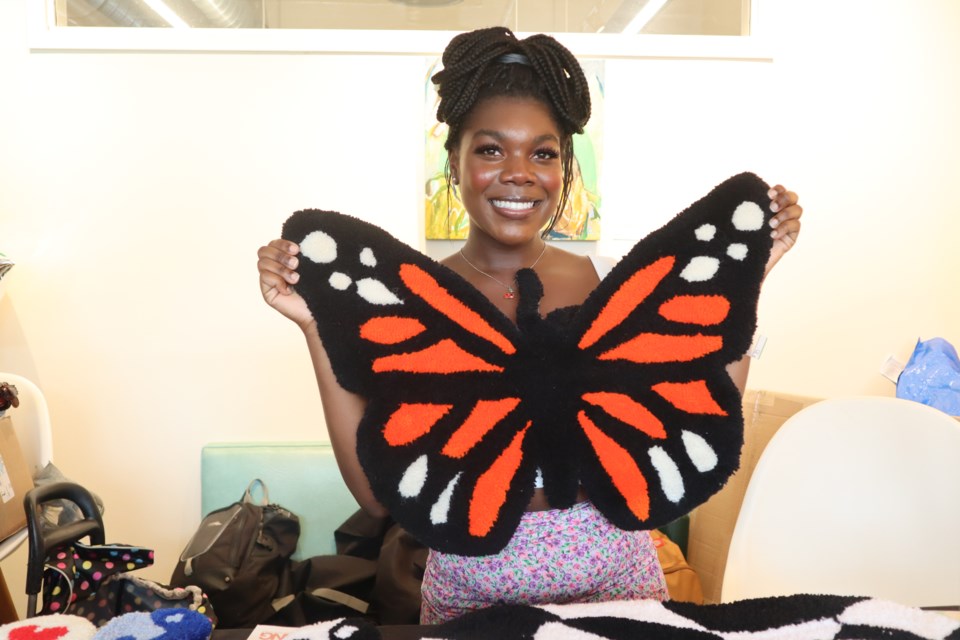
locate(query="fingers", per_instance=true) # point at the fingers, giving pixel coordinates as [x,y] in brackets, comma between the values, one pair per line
[786,222]
[276,263]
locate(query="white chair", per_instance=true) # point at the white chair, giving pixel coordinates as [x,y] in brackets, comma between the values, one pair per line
[31,422]
[853,496]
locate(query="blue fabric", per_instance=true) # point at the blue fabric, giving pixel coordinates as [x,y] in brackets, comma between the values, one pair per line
[162,624]
[932,376]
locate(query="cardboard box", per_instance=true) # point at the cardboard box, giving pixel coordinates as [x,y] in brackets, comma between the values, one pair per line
[15,480]
[712,523]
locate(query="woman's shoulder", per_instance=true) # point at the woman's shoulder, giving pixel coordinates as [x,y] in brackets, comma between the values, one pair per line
[587,263]
[602,265]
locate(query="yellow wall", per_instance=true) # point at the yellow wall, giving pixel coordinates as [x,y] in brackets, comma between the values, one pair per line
[135,189]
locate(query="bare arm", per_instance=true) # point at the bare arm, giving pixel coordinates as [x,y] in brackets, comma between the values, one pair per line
[341,409]
[786,228]
[738,372]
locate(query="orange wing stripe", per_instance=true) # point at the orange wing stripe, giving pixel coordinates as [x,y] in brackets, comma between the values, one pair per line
[442,357]
[630,294]
[390,329]
[490,492]
[691,397]
[485,415]
[426,287]
[410,421]
[702,310]
[654,347]
[628,410]
[620,466]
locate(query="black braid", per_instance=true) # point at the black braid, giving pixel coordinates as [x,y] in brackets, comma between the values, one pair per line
[473,72]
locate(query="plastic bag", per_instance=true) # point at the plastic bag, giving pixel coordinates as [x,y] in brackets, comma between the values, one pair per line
[932,376]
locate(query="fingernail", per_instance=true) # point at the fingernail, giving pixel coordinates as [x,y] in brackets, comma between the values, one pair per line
[774,207]
[292,263]
[773,234]
[294,277]
[774,223]
[772,194]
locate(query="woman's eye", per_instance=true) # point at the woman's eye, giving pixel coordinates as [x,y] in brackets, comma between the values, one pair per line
[547,154]
[488,150]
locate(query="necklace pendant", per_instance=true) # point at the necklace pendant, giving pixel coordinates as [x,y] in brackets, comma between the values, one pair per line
[510,294]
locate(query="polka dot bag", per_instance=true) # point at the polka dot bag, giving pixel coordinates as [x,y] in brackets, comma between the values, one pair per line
[93,581]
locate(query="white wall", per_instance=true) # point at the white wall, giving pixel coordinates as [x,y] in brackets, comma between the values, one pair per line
[135,189]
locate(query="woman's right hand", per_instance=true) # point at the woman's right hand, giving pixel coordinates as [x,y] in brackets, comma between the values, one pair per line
[276,265]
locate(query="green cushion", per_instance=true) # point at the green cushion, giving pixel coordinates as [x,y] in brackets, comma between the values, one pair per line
[300,476]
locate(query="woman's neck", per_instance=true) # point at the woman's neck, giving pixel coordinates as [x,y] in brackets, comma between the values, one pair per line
[491,256]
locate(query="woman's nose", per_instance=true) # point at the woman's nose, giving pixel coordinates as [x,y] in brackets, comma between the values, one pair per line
[517,170]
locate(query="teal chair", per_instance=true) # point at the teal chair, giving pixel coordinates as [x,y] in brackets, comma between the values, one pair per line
[300,476]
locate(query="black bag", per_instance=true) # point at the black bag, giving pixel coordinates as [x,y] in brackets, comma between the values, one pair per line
[376,573]
[238,556]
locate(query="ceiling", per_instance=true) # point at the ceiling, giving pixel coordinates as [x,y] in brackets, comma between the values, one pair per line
[704,17]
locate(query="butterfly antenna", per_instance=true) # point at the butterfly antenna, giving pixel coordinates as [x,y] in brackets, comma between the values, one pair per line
[530,293]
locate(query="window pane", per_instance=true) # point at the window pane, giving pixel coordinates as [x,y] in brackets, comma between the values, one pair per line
[684,17]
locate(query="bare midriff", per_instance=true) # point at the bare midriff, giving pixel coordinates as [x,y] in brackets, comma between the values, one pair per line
[539,500]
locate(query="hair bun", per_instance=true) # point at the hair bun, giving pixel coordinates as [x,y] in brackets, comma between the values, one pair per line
[469,58]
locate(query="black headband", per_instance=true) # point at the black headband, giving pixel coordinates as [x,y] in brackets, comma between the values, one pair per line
[514,58]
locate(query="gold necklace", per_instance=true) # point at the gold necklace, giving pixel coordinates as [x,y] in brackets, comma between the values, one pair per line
[511,293]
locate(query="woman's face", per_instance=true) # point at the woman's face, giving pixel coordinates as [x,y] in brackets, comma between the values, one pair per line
[509,168]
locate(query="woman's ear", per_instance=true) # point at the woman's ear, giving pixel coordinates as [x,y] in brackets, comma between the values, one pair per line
[453,158]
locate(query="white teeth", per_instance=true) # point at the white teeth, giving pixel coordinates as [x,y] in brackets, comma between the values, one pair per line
[514,204]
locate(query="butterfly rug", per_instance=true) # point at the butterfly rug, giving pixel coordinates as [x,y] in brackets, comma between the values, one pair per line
[625,396]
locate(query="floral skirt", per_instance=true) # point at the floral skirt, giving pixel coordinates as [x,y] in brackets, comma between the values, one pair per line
[555,557]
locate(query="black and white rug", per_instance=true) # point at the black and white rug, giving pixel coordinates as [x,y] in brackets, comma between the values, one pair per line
[799,617]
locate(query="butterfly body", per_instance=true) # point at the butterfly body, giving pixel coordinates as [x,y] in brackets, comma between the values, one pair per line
[625,397]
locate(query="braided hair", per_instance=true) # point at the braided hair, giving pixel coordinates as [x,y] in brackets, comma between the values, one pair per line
[492,62]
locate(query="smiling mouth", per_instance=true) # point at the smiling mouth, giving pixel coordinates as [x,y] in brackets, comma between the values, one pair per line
[515,205]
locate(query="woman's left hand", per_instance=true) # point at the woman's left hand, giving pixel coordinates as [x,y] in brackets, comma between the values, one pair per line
[785,224]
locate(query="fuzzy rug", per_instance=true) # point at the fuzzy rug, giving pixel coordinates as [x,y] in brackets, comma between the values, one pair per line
[800,617]
[625,396]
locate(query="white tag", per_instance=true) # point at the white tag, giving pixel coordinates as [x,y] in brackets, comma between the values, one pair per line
[269,632]
[6,485]
[891,369]
[759,342]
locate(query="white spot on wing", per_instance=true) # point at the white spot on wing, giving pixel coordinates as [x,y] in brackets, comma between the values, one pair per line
[339,281]
[367,258]
[705,232]
[413,478]
[441,508]
[700,268]
[174,617]
[702,455]
[375,292]
[345,631]
[737,251]
[670,478]
[319,247]
[748,216]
